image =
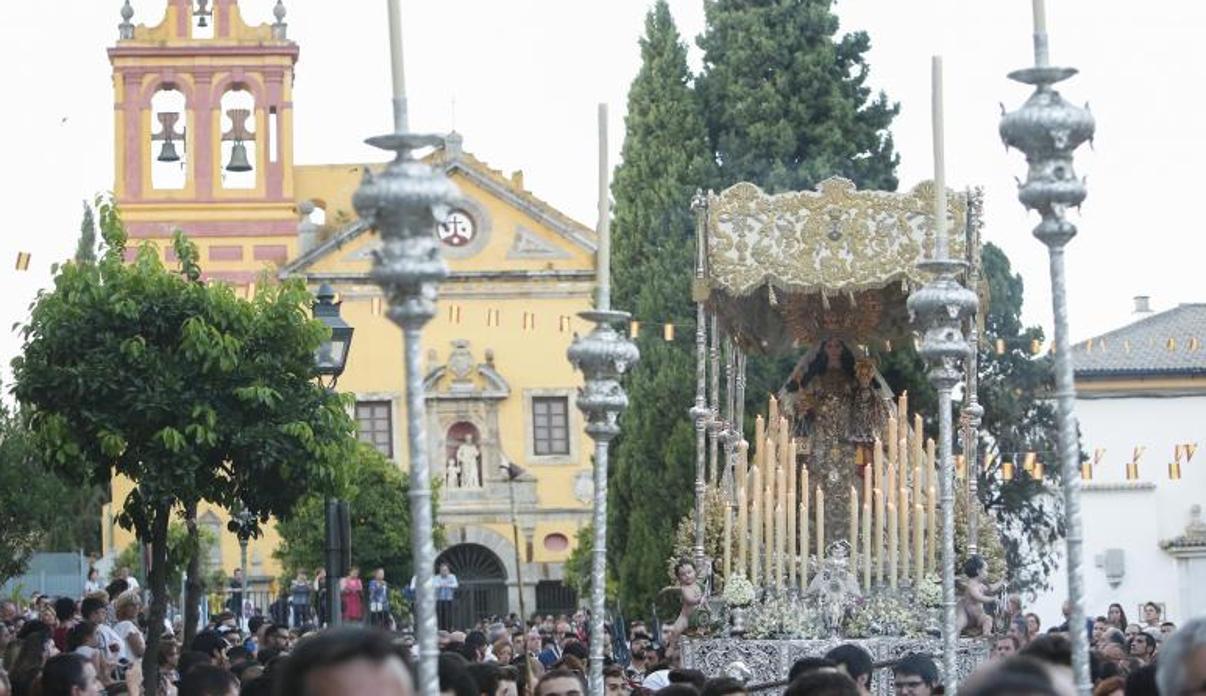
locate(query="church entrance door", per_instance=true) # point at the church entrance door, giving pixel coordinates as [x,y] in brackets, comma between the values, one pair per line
[483,584]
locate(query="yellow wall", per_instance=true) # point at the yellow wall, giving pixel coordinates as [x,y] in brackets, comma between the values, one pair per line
[531,357]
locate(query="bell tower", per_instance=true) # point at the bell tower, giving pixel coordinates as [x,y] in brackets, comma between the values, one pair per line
[204,131]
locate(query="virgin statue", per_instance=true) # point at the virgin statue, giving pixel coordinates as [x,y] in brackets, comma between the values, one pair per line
[837,406]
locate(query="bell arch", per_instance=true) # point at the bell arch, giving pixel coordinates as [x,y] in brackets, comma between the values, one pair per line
[169,155]
[239,151]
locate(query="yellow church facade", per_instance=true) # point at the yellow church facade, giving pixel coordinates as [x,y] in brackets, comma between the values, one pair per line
[204,144]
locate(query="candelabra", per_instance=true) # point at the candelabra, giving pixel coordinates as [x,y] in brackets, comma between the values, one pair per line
[603,356]
[938,310]
[1048,129]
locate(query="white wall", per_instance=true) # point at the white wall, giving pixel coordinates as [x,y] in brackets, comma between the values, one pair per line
[1136,520]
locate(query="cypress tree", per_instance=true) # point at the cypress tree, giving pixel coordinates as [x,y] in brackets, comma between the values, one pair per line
[787,101]
[1019,417]
[85,251]
[666,156]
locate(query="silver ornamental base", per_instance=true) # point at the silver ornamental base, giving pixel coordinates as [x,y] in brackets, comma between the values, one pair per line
[768,661]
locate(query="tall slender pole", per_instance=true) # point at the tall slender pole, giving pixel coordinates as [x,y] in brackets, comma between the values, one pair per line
[1048,129]
[523,613]
[398,73]
[973,412]
[404,203]
[700,412]
[939,308]
[602,356]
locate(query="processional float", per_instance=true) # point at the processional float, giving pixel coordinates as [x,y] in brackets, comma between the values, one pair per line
[830,524]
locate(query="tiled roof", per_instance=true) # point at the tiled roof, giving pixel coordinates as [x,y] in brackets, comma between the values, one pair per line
[1172,342]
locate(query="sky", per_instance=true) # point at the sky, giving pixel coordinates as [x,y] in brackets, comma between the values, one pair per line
[520,80]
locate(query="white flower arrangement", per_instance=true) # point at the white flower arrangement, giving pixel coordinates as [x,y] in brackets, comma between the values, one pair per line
[781,617]
[884,614]
[738,591]
[928,592]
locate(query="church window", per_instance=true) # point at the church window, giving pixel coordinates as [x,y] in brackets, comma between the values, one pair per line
[374,425]
[169,141]
[550,425]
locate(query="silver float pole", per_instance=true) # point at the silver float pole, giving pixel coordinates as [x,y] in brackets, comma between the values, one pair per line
[404,203]
[602,356]
[973,412]
[700,412]
[1048,130]
[938,309]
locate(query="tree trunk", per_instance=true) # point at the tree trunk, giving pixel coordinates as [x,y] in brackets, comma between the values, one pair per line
[192,586]
[158,584]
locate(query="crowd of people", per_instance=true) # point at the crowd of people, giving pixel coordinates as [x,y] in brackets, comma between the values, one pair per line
[95,645]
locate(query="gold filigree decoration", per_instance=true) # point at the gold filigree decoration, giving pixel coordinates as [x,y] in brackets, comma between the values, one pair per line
[835,240]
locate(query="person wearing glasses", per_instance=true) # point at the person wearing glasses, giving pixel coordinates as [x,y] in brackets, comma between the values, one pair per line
[915,675]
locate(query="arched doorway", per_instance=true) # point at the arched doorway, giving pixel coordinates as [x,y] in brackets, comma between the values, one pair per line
[483,584]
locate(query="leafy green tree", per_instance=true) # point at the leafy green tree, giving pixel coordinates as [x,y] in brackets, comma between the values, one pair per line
[380,510]
[85,251]
[579,564]
[666,157]
[1019,417]
[181,549]
[787,100]
[31,502]
[188,391]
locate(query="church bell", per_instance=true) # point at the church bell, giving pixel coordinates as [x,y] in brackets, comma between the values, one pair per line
[168,152]
[238,158]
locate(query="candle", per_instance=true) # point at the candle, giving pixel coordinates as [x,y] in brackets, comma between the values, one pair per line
[890,482]
[778,546]
[769,459]
[940,241]
[867,476]
[877,464]
[755,527]
[743,545]
[903,509]
[804,539]
[772,413]
[780,525]
[790,509]
[742,468]
[878,531]
[728,541]
[918,543]
[902,408]
[820,526]
[893,548]
[768,530]
[398,73]
[866,545]
[932,523]
[854,527]
[781,445]
[1174,471]
[893,438]
[759,431]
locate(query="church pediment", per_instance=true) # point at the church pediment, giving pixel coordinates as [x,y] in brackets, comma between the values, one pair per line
[462,377]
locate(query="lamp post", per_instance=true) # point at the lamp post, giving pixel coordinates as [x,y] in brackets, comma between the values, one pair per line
[330,359]
[404,203]
[243,525]
[1048,129]
[513,471]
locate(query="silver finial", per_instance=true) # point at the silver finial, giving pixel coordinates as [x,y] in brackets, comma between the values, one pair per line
[125,30]
[280,30]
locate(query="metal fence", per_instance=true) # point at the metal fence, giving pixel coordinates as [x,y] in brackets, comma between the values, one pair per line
[56,574]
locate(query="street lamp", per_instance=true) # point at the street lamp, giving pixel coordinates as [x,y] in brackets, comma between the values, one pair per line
[332,356]
[245,526]
[513,471]
[330,359]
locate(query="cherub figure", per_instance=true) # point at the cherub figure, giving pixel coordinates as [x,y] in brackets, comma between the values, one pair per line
[969,608]
[692,596]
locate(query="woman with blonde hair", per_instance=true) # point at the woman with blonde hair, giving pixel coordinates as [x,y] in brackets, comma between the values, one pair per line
[125,609]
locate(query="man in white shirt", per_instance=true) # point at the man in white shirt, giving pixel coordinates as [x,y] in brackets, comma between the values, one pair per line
[445,591]
[95,609]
